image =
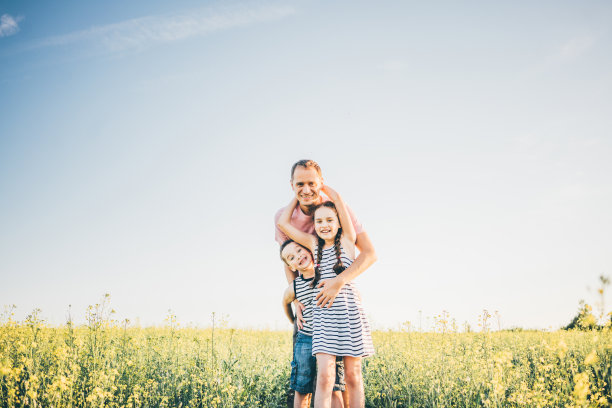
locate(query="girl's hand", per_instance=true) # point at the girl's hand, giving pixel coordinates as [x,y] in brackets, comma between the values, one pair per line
[330,192]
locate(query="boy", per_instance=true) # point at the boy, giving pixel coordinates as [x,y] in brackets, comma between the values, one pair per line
[303,366]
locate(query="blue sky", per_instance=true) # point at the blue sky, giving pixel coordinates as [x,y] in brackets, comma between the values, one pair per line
[145,147]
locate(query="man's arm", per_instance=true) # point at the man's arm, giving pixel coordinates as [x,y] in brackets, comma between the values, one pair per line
[331,287]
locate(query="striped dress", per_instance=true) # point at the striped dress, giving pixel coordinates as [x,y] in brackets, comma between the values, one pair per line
[343,329]
[304,293]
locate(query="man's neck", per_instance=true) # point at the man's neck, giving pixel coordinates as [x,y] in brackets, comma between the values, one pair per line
[308,209]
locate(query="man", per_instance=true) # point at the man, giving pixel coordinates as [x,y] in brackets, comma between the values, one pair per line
[306,182]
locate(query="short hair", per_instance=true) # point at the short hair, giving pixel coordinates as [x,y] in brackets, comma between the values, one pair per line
[284,244]
[306,164]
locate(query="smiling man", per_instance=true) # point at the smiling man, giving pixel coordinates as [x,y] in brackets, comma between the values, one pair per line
[306,182]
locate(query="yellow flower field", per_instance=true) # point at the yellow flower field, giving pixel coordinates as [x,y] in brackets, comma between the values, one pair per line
[107,364]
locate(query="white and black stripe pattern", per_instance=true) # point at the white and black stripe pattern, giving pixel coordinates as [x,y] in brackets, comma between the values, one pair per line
[304,293]
[343,329]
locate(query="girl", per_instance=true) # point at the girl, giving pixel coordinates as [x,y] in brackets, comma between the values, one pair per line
[341,329]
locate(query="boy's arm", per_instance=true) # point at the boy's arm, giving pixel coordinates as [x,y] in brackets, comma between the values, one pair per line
[331,287]
[299,307]
[299,236]
[291,275]
[288,297]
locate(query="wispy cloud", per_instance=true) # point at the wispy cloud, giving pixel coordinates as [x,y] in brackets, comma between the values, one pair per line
[575,47]
[569,51]
[9,25]
[143,32]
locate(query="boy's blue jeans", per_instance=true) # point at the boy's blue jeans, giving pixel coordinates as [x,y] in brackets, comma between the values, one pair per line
[304,367]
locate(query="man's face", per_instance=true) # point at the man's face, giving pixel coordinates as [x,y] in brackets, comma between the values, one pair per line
[297,257]
[306,184]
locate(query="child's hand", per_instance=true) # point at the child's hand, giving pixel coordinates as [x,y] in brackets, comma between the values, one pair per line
[330,192]
[285,217]
[298,314]
[293,203]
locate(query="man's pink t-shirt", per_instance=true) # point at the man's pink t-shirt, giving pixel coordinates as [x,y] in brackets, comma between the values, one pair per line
[305,223]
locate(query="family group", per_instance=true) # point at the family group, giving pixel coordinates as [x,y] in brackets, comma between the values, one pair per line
[319,237]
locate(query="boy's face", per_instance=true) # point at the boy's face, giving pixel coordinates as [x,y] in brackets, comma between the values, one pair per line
[297,257]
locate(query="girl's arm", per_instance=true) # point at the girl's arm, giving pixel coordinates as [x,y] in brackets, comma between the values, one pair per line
[301,237]
[348,230]
[288,297]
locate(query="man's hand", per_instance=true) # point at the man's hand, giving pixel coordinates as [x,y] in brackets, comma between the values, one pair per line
[298,313]
[329,290]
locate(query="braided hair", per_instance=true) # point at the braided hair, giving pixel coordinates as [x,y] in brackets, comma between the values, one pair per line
[338,267]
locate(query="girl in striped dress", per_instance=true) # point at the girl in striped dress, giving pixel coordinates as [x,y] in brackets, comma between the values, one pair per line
[341,329]
[303,365]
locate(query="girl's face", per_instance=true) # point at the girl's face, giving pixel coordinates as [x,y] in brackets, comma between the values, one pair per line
[326,223]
